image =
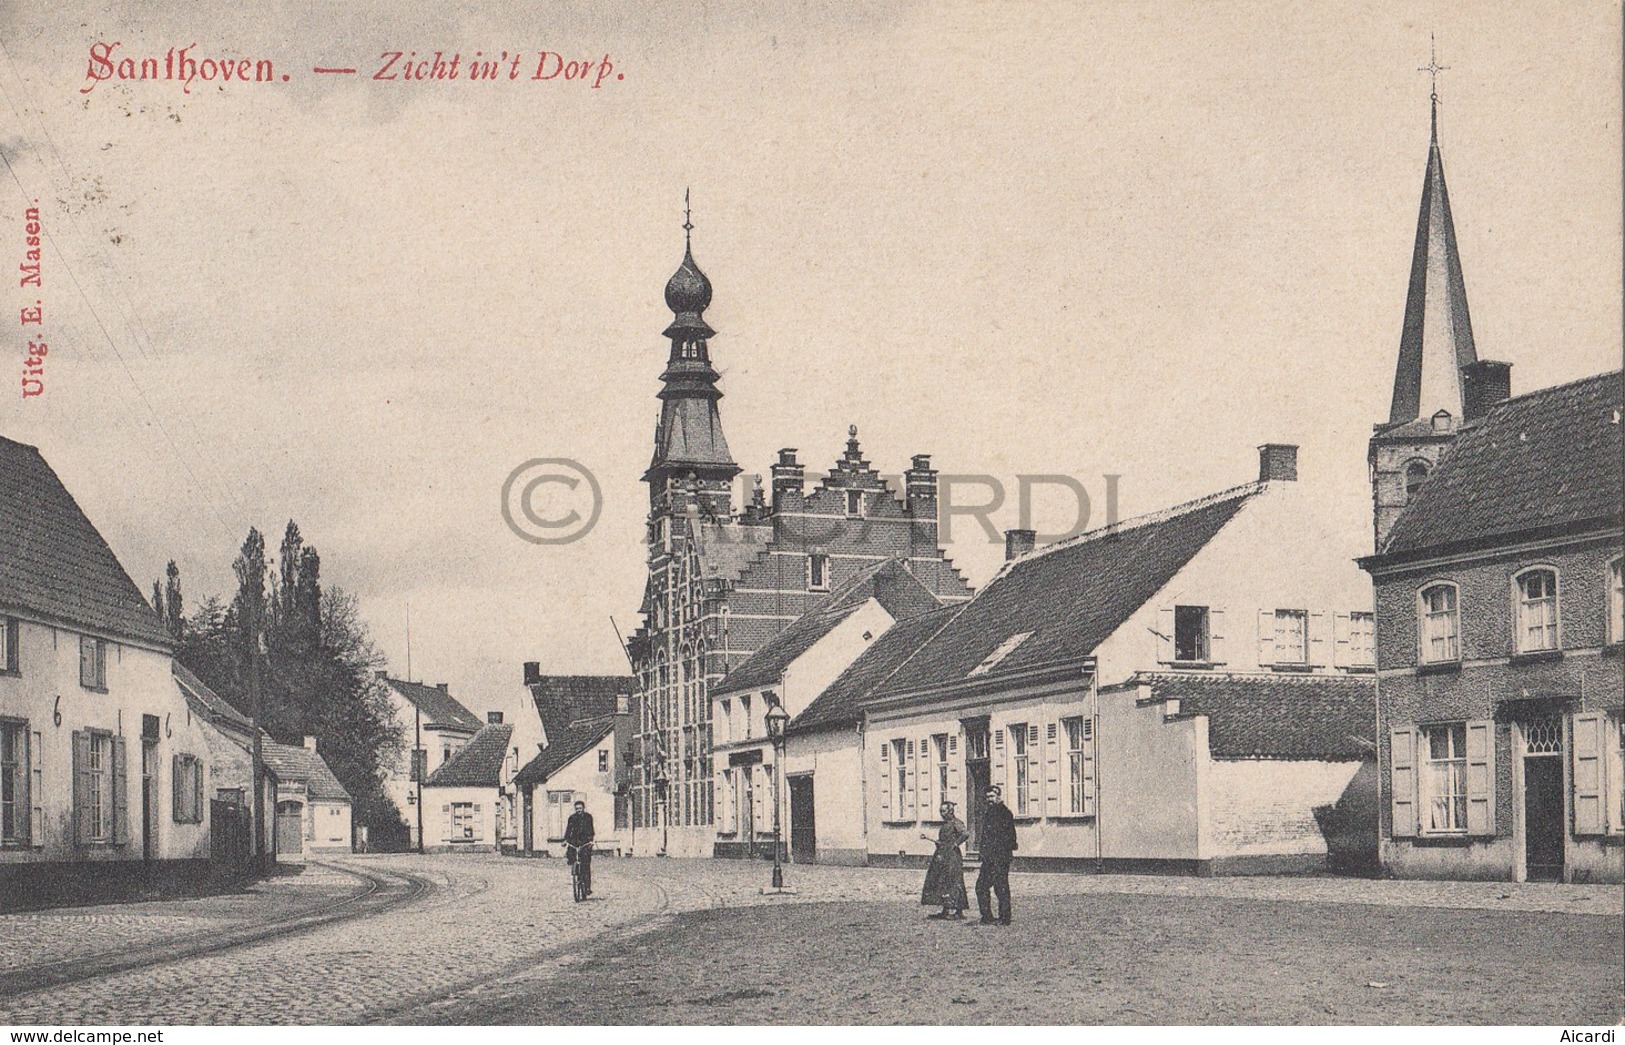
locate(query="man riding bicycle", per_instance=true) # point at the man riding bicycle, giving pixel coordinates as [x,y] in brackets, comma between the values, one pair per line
[578,837]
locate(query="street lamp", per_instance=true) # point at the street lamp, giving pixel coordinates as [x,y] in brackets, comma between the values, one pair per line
[661,784]
[776,719]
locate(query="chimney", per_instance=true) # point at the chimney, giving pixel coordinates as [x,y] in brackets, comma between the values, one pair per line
[310,743]
[1277,462]
[382,674]
[788,477]
[920,487]
[494,718]
[442,687]
[533,672]
[1018,542]
[1484,384]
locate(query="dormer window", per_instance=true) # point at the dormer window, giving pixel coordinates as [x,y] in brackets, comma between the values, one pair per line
[1416,473]
[1005,648]
[1191,634]
[854,504]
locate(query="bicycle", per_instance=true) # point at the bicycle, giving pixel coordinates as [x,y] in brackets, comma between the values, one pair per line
[578,879]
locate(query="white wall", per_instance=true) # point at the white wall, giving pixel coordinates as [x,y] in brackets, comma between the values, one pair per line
[139,681]
[1280,551]
[437,817]
[582,778]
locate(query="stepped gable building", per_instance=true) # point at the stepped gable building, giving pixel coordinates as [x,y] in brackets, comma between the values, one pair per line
[722,581]
[1498,601]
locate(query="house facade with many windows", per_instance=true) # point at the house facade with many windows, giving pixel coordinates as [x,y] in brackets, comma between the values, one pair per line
[1189,691]
[1499,609]
[104,774]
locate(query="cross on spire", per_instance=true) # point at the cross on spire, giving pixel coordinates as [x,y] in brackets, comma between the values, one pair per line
[1433,69]
[688,225]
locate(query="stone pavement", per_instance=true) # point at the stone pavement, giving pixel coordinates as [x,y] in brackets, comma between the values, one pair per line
[489,918]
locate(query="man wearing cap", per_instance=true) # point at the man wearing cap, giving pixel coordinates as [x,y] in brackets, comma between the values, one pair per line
[997,844]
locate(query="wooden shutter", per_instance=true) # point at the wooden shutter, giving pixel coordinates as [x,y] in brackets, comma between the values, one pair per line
[121,795]
[1035,772]
[1088,767]
[1052,769]
[998,771]
[1481,777]
[955,762]
[479,824]
[1342,651]
[910,782]
[1165,635]
[928,779]
[177,779]
[1317,625]
[1266,638]
[1216,645]
[21,796]
[888,784]
[1402,780]
[1589,815]
[81,787]
[36,783]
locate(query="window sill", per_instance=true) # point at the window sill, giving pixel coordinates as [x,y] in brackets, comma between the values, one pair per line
[93,689]
[11,673]
[1292,669]
[1542,656]
[1190,665]
[1439,667]
[1444,841]
[899,823]
[1027,818]
[1360,669]
[1073,818]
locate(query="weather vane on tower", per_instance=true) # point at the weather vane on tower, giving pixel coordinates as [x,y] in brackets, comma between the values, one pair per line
[1433,69]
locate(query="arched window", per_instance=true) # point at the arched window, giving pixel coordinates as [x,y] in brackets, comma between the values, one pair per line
[1416,473]
[1439,624]
[1534,596]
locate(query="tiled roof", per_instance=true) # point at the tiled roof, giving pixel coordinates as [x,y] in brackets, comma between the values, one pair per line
[1276,716]
[296,765]
[438,707]
[563,699]
[844,700]
[574,740]
[478,764]
[206,701]
[1536,462]
[1068,597]
[55,563]
[888,582]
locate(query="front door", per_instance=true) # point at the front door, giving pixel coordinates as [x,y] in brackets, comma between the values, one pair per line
[803,830]
[149,799]
[1543,818]
[290,828]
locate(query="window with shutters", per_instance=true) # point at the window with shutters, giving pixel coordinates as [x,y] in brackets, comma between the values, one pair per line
[1191,635]
[939,769]
[1597,773]
[1018,767]
[1362,640]
[1535,605]
[1077,731]
[463,822]
[15,807]
[1616,601]
[92,663]
[97,787]
[8,643]
[187,784]
[1291,637]
[1444,778]
[1440,625]
[899,805]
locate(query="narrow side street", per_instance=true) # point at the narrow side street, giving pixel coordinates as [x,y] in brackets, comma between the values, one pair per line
[498,940]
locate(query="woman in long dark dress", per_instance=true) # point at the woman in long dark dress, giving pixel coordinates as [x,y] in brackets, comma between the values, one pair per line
[945,877]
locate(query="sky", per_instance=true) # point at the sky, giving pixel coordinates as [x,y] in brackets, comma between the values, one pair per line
[1133,239]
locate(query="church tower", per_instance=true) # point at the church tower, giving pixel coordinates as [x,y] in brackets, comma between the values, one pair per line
[692,470]
[1439,382]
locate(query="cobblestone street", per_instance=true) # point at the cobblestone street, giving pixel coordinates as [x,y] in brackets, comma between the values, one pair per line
[487,939]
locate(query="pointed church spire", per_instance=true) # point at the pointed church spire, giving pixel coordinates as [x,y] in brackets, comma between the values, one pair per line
[1437,339]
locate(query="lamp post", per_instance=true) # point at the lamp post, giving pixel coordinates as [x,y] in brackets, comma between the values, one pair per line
[776,719]
[661,784]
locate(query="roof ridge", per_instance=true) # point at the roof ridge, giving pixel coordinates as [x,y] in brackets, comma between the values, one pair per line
[1249,489]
